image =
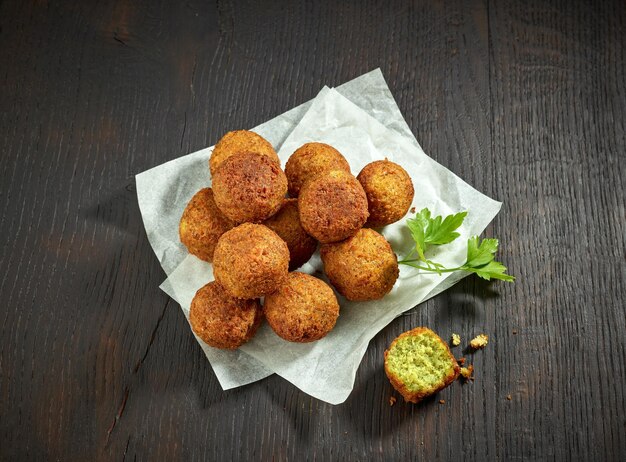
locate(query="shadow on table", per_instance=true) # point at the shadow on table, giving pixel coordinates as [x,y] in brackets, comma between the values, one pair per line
[464,300]
[369,410]
[476,287]
[294,407]
[117,208]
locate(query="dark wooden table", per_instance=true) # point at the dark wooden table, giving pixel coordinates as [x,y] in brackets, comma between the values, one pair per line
[524,100]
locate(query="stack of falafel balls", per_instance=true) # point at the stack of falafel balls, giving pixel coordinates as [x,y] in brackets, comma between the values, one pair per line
[256,237]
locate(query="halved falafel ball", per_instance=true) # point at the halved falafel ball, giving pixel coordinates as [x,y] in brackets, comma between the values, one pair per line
[202,224]
[250,261]
[221,320]
[363,267]
[333,206]
[249,187]
[240,141]
[389,191]
[286,223]
[303,309]
[310,160]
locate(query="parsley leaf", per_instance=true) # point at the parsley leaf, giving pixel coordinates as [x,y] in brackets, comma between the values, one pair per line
[492,270]
[437,231]
[480,253]
[441,231]
[480,260]
[417,226]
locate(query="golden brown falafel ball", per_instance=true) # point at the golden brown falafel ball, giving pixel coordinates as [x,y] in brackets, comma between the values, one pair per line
[221,320]
[310,160]
[202,224]
[389,192]
[303,309]
[249,187]
[362,267]
[240,141]
[250,261]
[286,223]
[333,206]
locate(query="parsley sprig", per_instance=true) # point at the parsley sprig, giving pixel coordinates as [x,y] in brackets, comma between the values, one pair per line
[428,231]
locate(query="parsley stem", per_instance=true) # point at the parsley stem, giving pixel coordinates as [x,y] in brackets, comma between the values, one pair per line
[413,263]
[406,257]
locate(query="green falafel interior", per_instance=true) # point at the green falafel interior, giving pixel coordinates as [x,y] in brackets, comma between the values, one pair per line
[419,362]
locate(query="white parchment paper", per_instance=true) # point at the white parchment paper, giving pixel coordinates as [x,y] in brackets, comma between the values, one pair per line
[163,192]
[362,120]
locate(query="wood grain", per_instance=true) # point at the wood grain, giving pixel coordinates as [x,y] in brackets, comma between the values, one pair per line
[524,100]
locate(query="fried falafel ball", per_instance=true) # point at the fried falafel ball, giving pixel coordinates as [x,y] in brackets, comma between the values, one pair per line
[303,309]
[389,191]
[310,160]
[286,223]
[249,187]
[221,320]
[240,141]
[362,267]
[250,261]
[333,206]
[202,224]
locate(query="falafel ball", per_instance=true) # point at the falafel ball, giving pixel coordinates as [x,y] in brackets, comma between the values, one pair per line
[240,141]
[250,261]
[286,223]
[202,224]
[362,267]
[249,187]
[389,192]
[221,320]
[310,160]
[303,309]
[333,206]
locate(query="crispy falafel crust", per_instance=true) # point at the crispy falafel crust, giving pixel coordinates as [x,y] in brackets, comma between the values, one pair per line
[250,261]
[240,141]
[286,223]
[363,267]
[310,160]
[333,206]
[303,309]
[415,397]
[249,187]
[202,224]
[221,320]
[389,191]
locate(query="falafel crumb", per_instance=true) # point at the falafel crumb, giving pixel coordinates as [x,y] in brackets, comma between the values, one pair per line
[412,209]
[480,341]
[467,372]
[509,397]
[392,401]
[456,339]
[442,401]
[514,332]
[461,361]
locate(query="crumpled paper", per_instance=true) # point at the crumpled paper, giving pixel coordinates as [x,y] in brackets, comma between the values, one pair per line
[361,119]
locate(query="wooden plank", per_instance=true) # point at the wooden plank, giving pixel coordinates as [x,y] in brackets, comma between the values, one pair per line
[524,100]
[558,132]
